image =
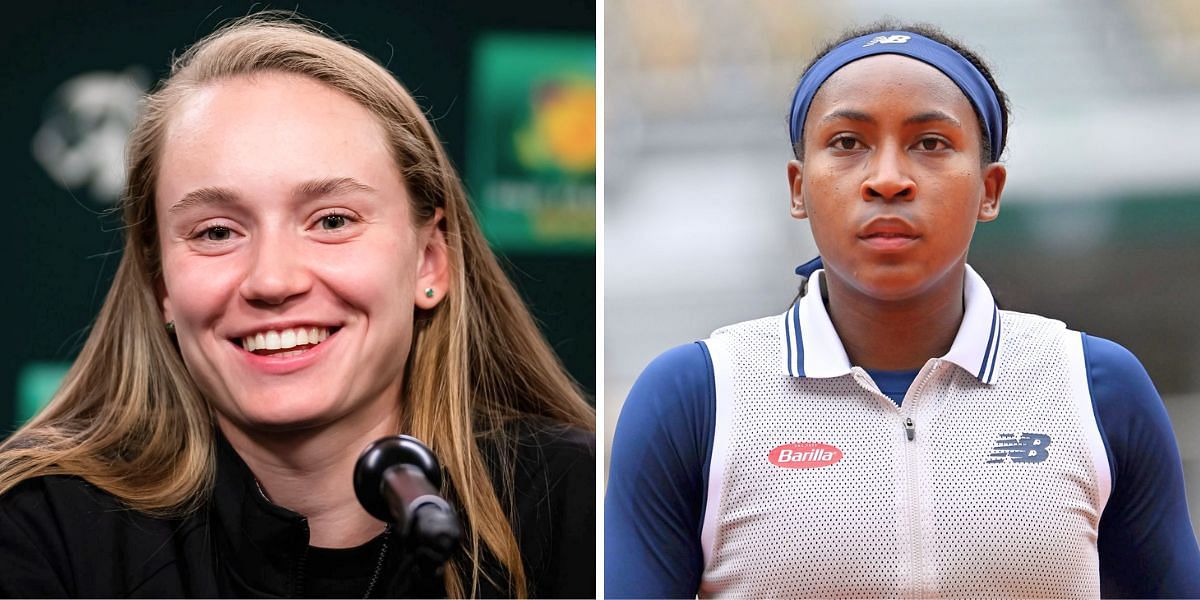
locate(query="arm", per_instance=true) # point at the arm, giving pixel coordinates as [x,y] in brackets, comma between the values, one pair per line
[1146,542]
[653,509]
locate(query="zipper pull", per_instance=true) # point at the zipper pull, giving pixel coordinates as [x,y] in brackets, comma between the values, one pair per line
[910,428]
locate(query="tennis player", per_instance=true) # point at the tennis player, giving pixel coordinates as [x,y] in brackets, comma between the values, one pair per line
[302,275]
[894,433]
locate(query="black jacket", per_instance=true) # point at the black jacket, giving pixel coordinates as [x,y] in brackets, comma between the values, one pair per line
[61,536]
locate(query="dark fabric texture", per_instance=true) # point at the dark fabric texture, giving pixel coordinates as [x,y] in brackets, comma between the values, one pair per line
[61,536]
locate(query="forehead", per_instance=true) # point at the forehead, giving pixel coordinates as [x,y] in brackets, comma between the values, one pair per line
[266,130]
[890,83]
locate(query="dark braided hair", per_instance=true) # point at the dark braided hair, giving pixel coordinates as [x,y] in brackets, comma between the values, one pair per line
[936,35]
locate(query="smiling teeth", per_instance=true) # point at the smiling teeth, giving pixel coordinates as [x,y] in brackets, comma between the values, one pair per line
[284,339]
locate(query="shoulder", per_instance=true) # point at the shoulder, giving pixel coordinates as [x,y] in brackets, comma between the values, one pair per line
[553,448]
[1123,395]
[670,407]
[763,329]
[63,531]
[1128,409]
[535,460]
[551,501]
[62,499]
[1018,326]
[676,375]
[1111,364]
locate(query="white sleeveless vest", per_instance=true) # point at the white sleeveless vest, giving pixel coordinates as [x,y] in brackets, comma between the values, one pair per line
[989,480]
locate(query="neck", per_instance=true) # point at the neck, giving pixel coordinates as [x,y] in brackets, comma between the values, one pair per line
[310,472]
[897,335]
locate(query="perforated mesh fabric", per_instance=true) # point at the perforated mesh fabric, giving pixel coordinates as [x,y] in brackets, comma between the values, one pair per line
[893,517]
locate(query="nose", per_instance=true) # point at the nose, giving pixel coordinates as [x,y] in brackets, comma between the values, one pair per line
[278,272]
[889,179]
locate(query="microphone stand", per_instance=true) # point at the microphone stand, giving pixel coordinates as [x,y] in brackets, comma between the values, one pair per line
[396,479]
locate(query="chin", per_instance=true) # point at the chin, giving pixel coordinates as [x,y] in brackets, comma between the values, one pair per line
[277,415]
[891,283]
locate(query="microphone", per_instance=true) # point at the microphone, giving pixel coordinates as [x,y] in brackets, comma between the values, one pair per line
[396,480]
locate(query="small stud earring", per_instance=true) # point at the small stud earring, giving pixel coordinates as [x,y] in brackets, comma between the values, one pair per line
[170,326]
[428,292]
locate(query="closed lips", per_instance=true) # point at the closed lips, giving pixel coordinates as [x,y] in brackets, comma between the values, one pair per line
[283,339]
[888,228]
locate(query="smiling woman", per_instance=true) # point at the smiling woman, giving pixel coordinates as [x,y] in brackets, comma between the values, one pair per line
[302,275]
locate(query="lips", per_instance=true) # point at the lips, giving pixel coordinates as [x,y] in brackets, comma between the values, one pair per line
[282,360]
[283,339]
[888,233]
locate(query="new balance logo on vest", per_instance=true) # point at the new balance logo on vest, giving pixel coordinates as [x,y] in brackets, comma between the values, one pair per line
[887,39]
[1025,448]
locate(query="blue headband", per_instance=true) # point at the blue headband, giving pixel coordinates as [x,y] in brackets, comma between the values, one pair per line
[940,56]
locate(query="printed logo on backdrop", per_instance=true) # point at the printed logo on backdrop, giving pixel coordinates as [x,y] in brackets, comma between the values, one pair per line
[81,143]
[532,142]
[1023,448]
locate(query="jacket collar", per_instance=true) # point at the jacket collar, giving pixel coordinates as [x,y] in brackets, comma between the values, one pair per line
[264,544]
[262,548]
[810,346]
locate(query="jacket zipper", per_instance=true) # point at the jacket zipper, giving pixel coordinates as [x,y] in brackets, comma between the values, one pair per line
[298,589]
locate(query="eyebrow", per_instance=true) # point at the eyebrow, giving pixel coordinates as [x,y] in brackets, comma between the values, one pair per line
[308,190]
[845,113]
[931,116]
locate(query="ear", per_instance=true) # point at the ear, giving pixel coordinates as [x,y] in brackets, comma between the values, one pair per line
[433,264]
[795,171]
[994,176]
[164,300]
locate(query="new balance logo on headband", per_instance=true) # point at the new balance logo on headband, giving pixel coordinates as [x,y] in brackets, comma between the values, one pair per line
[887,39]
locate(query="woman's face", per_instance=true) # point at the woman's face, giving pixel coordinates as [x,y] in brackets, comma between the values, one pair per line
[892,179]
[291,264]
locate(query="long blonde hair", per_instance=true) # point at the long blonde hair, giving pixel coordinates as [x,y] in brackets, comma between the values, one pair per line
[477,363]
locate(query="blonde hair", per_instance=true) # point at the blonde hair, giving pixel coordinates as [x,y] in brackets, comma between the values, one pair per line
[477,363]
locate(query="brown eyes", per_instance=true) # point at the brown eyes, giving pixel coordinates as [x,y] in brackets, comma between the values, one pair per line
[931,144]
[847,143]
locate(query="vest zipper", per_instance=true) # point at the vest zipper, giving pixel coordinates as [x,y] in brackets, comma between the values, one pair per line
[915,515]
[914,477]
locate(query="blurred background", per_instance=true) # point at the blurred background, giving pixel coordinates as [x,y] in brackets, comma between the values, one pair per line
[1100,223]
[510,89]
